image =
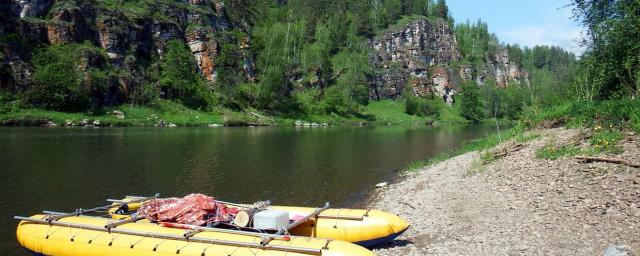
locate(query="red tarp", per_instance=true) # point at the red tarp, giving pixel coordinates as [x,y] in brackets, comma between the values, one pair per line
[194,209]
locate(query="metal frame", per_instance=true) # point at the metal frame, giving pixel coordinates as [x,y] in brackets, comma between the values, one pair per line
[296,223]
[339,217]
[172,237]
[54,216]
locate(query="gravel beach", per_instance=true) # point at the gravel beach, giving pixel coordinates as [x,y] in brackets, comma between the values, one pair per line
[518,204]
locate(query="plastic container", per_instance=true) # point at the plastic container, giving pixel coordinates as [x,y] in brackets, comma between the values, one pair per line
[271,219]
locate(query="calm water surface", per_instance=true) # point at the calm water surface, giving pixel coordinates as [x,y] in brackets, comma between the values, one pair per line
[63,169]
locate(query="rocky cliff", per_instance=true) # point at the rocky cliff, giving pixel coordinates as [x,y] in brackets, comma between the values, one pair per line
[423,58]
[134,34]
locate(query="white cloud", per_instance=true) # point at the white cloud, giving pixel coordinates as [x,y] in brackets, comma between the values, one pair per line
[567,37]
[554,26]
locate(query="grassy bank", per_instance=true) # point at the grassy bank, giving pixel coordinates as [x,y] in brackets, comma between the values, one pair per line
[393,112]
[490,141]
[155,113]
[387,112]
[604,121]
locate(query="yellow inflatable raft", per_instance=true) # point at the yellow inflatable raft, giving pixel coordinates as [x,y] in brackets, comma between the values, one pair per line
[322,231]
[87,236]
[367,228]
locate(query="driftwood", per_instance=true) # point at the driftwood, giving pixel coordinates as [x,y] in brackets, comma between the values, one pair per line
[508,150]
[589,159]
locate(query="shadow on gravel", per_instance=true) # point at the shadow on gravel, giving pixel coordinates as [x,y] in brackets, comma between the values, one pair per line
[393,244]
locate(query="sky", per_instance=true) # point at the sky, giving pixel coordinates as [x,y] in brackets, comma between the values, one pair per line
[525,22]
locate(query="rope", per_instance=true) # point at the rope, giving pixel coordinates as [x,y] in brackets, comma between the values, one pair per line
[261,205]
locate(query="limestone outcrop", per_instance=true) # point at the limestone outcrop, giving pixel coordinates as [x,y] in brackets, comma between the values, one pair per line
[423,58]
[128,38]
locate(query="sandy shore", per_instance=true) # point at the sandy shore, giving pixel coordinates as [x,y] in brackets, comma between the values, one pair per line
[518,204]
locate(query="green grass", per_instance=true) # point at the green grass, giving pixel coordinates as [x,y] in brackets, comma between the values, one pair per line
[149,115]
[171,112]
[393,112]
[475,145]
[416,166]
[526,137]
[618,114]
[602,141]
[553,152]
[606,119]
[451,115]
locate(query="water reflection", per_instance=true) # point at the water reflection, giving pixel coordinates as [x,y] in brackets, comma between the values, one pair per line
[62,169]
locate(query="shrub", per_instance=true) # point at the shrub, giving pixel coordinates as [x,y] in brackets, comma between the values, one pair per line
[6,102]
[421,106]
[58,80]
[309,101]
[337,101]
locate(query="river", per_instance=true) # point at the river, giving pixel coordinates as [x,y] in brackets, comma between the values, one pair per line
[62,169]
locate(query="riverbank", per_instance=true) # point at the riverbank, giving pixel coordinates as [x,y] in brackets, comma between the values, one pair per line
[511,199]
[172,114]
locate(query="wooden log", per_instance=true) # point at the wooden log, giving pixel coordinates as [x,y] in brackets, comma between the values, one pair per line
[244,217]
[589,159]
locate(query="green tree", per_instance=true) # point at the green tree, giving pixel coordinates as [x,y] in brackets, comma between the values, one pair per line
[71,77]
[179,77]
[613,29]
[442,10]
[471,106]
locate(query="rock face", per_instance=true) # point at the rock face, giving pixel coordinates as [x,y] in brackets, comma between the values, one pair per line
[416,57]
[423,58]
[507,72]
[31,8]
[129,39]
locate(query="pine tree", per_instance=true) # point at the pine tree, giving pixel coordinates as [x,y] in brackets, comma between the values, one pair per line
[442,10]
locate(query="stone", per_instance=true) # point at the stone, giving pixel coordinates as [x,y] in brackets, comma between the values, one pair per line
[618,250]
[118,114]
[382,184]
[96,122]
[172,126]
[213,125]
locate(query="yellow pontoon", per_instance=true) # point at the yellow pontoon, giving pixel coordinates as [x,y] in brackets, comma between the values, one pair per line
[322,231]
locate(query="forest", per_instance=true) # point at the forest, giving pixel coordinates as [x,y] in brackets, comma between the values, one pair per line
[311,59]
